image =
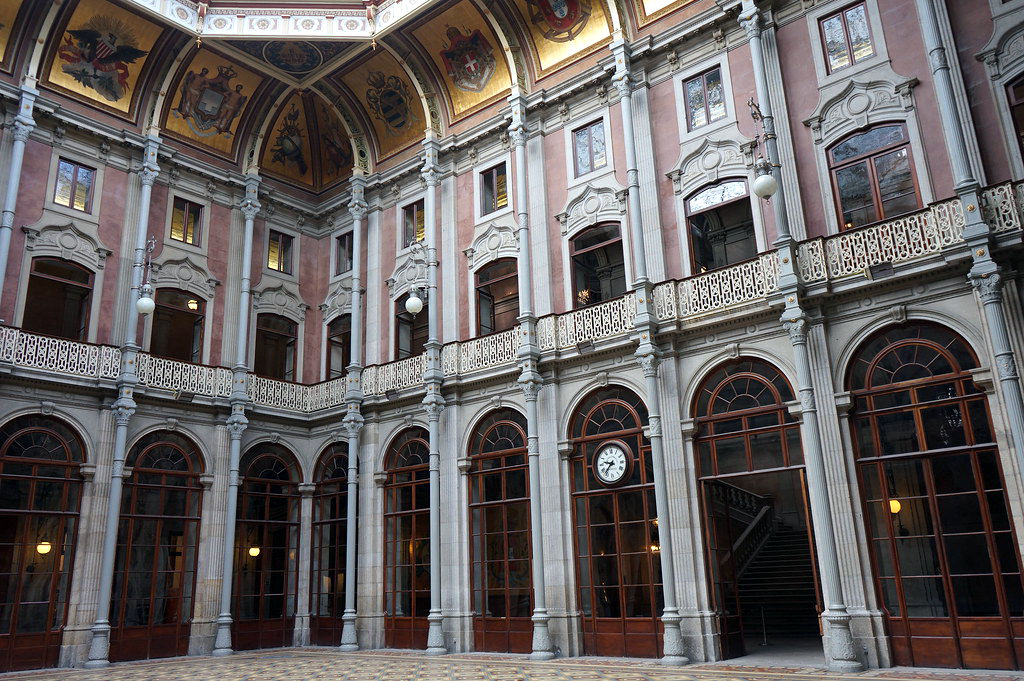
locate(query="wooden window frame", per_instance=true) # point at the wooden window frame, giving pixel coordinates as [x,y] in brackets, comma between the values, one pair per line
[573,252]
[486,283]
[343,255]
[1013,103]
[285,251]
[489,178]
[589,127]
[410,216]
[703,76]
[200,317]
[329,372]
[867,159]
[717,206]
[196,225]
[33,272]
[275,332]
[76,167]
[846,37]
[403,318]
[330,519]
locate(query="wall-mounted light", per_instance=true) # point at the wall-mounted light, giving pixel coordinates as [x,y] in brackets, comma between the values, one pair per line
[655,548]
[413,302]
[254,551]
[43,548]
[145,303]
[895,506]
[193,304]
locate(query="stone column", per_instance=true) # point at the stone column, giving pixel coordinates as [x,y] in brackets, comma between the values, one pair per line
[123,408]
[648,354]
[22,128]
[353,418]
[433,401]
[530,380]
[840,653]
[300,636]
[237,422]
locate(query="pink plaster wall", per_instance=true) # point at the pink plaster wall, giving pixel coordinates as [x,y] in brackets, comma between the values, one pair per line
[465,217]
[555,186]
[217,253]
[665,136]
[31,196]
[385,312]
[314,261]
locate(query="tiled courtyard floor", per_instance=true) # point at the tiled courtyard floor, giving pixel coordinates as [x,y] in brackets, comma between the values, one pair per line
[317,664]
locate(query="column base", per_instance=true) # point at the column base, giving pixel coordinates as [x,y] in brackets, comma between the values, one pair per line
[99,646]
[349,641]
[542,647]
[222,644]
[673,639]
[435,635]
[841,653]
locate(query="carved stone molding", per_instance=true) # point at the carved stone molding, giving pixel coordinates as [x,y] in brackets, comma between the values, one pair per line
[494,241]
[590,205]
[279,300]
[860,104]
[410,269]
[710,161]
[182,273]
[338,300]
[68,242]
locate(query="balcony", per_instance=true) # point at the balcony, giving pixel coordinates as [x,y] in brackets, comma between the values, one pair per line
[835,260]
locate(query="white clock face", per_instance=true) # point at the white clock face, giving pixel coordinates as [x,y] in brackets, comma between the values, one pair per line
[610,464]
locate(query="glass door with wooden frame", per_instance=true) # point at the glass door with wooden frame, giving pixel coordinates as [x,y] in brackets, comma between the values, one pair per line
[40,495]
[499,518]
[618,566]
[945,556]
[266,549]
[330,542]
[407,540]
[158,540]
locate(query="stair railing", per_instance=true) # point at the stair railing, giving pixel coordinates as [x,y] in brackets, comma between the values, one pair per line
[757,534]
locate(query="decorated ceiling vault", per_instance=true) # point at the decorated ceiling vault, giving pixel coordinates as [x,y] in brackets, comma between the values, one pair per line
[303,93]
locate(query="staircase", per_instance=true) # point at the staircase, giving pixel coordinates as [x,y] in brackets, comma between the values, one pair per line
[780,580]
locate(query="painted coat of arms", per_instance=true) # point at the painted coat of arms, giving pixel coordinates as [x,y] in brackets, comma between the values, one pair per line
[389,99]
[288,143]
[469,60]
[210,104]
[97,55]
[560,20]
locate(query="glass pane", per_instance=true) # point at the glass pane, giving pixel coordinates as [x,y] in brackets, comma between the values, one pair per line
[65,178]
[597,142]
[716,194]
[766,450]
[896,183]
[582,146]
[860,36]
[835,43]
[732,456]
[178,220]
[695,102]
[943,427]
[855,197]
[715,94]
[975,596]
[925,597]
[868,141]
[897,433]
[918,556]
[83,188]
[967,554]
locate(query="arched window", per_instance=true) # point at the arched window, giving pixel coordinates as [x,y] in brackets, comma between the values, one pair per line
[598,265]
[40,493]
[407,540]
[155,566]
[1015,98]
[873,175]
[497,296]
[58,299]
[618,566]
[946,561]
[276,338]
[178,325]
[499,514]
[330,541]
[721,226]
[266,548]
[753,497]
[339,346]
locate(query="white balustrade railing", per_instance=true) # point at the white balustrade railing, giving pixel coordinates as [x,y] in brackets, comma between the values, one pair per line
[489,351]
[169,374]
[59,355]
[326,394]
[269,392]
[723,288]
[594,322]
[546,334]
[665,301]
[404,373]
[1002,206]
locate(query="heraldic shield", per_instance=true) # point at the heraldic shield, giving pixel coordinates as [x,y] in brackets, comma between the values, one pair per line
[469,60]
[210,105]
[560,20]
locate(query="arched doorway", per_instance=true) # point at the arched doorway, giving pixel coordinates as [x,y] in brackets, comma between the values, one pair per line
[757,533]
[266,548]
[155,565]
[499,520]
[618,569]
[40,494]
[407,540]
[945,557]
[330,541]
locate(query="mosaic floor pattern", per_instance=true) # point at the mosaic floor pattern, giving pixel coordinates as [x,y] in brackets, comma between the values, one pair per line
[304,664]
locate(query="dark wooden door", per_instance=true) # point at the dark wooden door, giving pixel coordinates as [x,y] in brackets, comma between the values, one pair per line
[720,532]
[155,565]
[407,541]
[330,544]
[40,493]
[499,513]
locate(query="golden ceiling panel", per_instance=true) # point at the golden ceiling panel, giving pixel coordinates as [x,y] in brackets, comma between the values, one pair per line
[469,56]
[563,30]
[208,100]
[101,53]
[394,108]
[307,145]
[8,13]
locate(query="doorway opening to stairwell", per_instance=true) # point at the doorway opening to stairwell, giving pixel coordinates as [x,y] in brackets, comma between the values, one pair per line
[759,546]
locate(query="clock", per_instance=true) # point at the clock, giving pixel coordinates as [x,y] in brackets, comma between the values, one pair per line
[611,462]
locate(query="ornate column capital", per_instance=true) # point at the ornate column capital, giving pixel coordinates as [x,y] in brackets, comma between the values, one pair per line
[353,422]
[250,207]
[988,285]
[795,324]
[649,360]
[750,19]
[122,412]
[22,129]
[237,423]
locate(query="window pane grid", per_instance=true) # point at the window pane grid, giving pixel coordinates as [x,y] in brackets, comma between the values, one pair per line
[846,37]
